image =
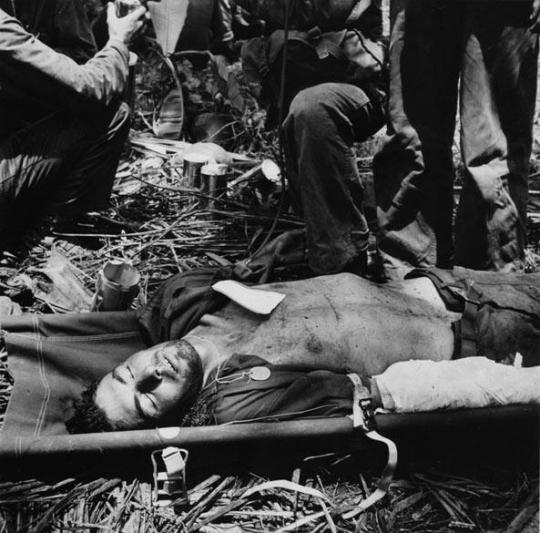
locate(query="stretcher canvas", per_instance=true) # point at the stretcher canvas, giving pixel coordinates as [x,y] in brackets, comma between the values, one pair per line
[54,357]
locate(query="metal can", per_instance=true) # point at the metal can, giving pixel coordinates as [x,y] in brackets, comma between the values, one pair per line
[117,286]
[213,185]
[267,170]
[193,163]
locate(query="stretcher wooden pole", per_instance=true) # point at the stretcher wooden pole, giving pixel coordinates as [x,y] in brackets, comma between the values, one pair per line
[273,432]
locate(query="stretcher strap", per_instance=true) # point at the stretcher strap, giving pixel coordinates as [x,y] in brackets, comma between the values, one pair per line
[364,420]
[384,481]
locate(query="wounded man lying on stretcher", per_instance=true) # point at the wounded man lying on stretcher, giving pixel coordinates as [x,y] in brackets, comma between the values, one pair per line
[295,362]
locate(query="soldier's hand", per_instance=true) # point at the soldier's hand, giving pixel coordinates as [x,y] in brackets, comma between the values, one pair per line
[125,28]
[535,16]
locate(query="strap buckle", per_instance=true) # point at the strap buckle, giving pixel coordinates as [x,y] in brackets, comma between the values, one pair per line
[363,412]
[169,473]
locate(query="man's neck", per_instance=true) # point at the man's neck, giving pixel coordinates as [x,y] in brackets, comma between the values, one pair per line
[208,352]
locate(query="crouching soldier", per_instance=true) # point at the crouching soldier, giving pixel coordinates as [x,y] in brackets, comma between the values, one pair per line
[332,95]
[62,129]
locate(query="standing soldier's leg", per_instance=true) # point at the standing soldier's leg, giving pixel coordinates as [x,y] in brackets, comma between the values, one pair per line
[498,90]
[414,169]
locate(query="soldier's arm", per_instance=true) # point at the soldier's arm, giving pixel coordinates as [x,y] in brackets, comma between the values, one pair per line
[29,67]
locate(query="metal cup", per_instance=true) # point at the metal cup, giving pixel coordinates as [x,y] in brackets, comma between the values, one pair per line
[271,171]
[213,185]
[117,286]
[266,171]
[193,163]
[125,7]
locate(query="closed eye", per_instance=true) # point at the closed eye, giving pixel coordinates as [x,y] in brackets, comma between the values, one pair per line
[152,400]
[147,409]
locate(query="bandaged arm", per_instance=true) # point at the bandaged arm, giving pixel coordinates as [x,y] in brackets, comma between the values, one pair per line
[414,386]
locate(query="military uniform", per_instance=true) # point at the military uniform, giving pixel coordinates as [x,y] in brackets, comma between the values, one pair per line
[62,127]
[329,104]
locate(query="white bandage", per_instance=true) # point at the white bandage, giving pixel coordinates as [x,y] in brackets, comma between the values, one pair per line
[413,386]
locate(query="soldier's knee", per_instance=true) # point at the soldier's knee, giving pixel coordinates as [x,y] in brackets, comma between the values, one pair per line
[308,106]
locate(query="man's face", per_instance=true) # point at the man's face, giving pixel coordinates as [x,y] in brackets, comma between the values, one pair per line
[146,387]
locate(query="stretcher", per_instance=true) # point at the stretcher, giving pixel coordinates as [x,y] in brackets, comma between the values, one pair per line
[54,357]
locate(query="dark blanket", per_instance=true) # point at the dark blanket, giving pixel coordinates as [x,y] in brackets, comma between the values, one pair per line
[180,302]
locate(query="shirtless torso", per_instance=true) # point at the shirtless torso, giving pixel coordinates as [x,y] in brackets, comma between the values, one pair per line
[341,322]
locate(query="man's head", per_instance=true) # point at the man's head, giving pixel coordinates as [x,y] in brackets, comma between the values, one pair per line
[153,387]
